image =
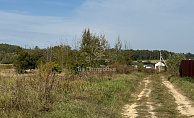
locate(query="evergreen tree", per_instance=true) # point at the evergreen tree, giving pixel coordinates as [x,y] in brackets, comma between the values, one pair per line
[27,60]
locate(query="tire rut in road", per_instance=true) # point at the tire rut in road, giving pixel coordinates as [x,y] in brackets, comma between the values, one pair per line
[154,101]
[142,106]
[184,105]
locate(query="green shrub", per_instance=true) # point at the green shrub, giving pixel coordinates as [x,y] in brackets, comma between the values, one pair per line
[56,68]
[174,63]
[140,67]
[26,60]
[120,68]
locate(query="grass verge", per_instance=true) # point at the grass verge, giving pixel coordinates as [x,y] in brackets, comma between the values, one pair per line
[186,84]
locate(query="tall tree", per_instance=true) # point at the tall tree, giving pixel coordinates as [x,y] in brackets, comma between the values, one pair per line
[118,47]
[92,49]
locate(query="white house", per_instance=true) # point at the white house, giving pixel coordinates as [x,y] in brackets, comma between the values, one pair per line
[159,65]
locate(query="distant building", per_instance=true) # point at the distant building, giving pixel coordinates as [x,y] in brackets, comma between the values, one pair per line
[135,66]
[159,65]
[148,66]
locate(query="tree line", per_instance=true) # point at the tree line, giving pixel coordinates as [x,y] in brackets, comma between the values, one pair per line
[91,51]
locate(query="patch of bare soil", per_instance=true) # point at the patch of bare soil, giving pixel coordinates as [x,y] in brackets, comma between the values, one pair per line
[130,111]
[142,106]
[184,104]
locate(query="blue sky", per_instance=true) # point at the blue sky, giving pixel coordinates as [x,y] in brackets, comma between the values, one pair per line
[145,24]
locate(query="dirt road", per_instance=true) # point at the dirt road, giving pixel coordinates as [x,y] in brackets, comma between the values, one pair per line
[132,110]
[158,99]
[184,105]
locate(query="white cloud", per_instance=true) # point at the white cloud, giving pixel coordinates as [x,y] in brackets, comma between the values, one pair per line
[146,24]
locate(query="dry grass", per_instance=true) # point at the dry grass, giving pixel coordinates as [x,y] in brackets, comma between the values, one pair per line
[45,94]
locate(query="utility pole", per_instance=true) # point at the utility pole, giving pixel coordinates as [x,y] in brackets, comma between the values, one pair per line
[160,62]
[161,59]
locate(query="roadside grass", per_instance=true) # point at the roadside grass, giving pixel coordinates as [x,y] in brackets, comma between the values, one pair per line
[55,96]
[186,84]
[164,102]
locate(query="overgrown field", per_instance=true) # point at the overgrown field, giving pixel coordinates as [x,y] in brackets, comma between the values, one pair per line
[51,95]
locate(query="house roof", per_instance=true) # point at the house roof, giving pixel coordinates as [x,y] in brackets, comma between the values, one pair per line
[159,64]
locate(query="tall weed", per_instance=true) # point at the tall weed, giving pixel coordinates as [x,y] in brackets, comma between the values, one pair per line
[46,94]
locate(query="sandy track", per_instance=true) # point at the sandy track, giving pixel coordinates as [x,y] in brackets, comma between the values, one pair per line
[130,110]
[184,104]
[144,105]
